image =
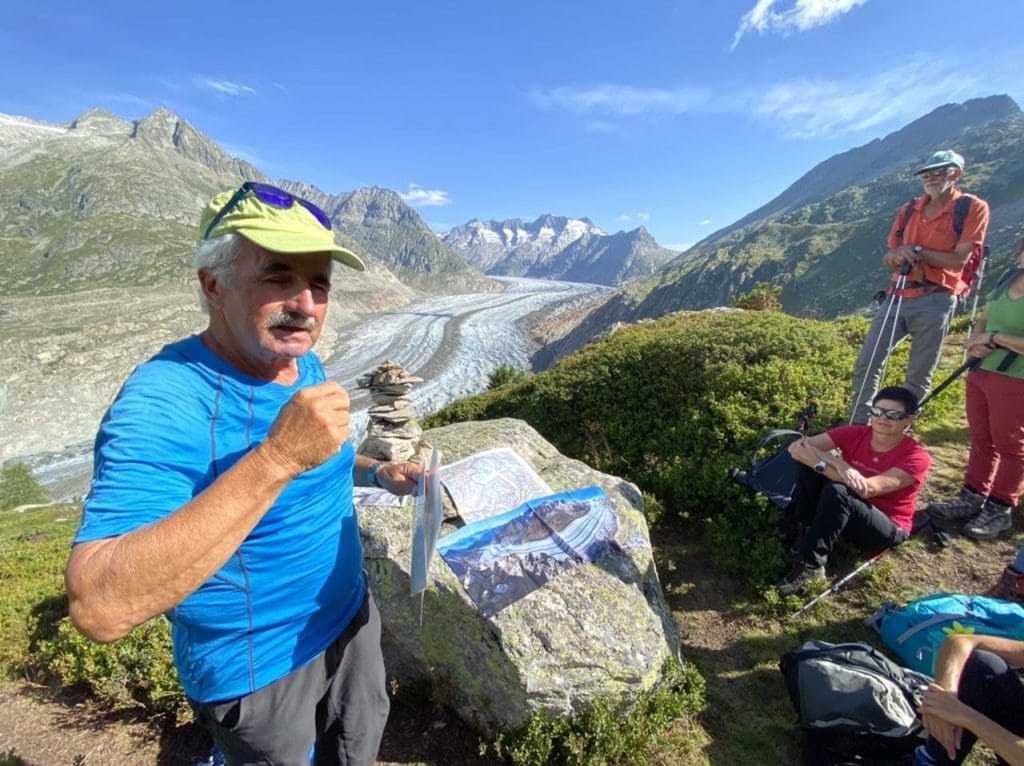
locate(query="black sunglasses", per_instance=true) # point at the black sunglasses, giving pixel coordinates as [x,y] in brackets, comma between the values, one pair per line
[878,412]
[269,195]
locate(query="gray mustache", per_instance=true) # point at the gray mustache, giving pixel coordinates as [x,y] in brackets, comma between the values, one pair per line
[282,318]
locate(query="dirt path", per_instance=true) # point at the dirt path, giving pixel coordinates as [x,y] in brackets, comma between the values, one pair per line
[37,731]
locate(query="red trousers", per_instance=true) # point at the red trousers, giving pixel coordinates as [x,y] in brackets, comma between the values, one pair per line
[995,415]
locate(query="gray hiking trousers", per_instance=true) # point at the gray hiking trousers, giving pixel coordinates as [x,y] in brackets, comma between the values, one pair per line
[926,320]
[330,711]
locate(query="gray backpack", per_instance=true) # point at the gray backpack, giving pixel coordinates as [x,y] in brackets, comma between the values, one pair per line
[854,704]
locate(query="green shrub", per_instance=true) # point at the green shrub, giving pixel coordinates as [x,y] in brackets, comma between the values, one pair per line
[610,732]
[18,486]
[135,671]
[674,404]
[503,375]
[763,297]
[11,758]
[34,549]
[38,641]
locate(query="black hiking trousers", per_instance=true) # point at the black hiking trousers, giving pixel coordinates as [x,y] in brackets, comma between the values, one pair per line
[991,687]
[828,510]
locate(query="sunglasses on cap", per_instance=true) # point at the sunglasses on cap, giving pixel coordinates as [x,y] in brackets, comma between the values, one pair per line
[268,195]
[936,172]
[878,412]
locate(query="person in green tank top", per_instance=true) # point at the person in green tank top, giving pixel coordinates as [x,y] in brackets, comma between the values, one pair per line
[995,417]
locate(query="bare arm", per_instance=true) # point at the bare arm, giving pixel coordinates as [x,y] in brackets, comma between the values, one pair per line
[396,478]
[945,716]
[120,582]
[940,259]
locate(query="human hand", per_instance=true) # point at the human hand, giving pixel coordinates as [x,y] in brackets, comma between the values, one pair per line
[903,255]
[977,346]
[853,479]
[942,714]
[801,451]
[399,478]
[309,429]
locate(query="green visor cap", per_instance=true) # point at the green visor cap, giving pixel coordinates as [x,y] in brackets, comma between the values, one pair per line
[291,230]
[942,159]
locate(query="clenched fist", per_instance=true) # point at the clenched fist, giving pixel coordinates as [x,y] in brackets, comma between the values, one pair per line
[309,429]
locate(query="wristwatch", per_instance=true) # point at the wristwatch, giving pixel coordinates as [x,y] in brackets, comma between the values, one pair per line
[820,466]
[371,476]
[917,249]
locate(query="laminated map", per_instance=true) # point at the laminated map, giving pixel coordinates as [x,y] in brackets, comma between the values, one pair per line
[491,482]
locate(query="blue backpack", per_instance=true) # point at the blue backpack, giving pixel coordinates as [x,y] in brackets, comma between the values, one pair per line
[915,631]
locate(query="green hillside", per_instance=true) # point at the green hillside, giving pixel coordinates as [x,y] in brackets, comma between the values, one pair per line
[825,251]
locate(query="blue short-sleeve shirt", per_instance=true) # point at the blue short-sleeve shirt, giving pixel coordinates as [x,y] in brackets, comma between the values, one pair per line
[182,419]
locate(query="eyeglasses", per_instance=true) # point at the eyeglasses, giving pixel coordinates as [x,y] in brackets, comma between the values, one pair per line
[936,173]
[269,195]
[878,412]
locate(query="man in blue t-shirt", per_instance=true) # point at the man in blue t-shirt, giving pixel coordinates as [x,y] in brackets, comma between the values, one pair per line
[222,498]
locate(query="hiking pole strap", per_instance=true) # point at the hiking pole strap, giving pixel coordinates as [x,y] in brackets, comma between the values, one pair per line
[771,436]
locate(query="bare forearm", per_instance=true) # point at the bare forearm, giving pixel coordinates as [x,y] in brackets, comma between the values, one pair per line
[1011,342]
[943,260]
[118,583]
[1005,743]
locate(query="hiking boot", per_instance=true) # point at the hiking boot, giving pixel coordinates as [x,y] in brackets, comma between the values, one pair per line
[1010,587]
[800,577]
[993,520]
[963,508]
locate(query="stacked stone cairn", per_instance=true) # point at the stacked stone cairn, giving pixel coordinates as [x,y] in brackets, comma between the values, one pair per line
[393,433]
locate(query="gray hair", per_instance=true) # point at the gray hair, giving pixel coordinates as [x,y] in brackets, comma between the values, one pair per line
[217,256]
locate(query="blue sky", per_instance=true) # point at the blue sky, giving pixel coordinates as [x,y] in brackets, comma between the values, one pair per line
[680,116]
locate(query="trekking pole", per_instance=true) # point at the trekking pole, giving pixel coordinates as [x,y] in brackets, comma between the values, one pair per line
[896,298]
[976,289]
[840,583]
[970,364]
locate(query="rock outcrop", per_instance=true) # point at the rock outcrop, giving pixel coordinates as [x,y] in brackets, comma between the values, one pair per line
[594,631]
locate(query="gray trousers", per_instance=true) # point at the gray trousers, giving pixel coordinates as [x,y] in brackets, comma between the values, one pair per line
[330,712]
[926,320]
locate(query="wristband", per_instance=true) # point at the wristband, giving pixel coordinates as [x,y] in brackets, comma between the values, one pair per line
[991,340]
[371,476]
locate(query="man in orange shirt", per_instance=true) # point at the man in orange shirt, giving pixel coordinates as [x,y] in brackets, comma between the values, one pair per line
[924,236]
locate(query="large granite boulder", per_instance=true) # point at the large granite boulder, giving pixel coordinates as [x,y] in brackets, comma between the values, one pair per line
[593,631]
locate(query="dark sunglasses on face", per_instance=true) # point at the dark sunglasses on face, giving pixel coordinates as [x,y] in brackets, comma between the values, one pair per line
[936,173]
[268,195]
[878,412]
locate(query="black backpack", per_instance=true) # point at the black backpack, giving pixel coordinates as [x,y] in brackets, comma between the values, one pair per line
[854,704]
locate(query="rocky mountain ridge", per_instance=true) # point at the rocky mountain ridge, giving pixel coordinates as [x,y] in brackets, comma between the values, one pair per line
[822,238]
[98,222]
[102,200]
[556,247]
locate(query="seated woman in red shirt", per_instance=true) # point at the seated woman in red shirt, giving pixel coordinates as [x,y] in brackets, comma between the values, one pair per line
[868,495]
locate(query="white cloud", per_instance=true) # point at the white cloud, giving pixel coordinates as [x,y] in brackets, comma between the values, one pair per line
[803,15]
[417,196]
[801,107]
[621,100]
[226,87]
[809,107]
[705,222]
[627,217]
